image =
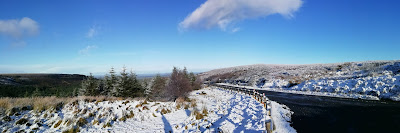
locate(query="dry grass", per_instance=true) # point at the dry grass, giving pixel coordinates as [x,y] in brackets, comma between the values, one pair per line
[165,111]
[131,114]
[186,106]
[178,106]
[198,115]
[44,103]
[57,124]
[205,111]
[123,118]
[193,103]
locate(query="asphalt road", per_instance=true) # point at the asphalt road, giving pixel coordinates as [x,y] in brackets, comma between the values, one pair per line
[316,114]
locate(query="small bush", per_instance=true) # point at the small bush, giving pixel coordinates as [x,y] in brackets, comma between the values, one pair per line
[145,108]
[154,115]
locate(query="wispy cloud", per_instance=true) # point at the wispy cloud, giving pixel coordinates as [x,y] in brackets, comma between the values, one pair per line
[224,13]
[93,31]
[87,49]
[18,29]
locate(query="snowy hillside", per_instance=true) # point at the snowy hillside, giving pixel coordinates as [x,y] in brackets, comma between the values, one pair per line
[368,80]
[209,109]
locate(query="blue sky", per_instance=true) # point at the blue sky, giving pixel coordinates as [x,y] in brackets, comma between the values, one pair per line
[152,36]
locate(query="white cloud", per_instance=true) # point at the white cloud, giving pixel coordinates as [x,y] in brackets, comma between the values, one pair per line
[92,32]
[235,29]
[87,49]
[18,29]
[223,13]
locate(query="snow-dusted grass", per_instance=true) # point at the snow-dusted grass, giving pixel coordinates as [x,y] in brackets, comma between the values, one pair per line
[209,109]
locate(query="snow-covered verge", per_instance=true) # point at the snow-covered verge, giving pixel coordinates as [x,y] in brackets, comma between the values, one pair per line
[386,86]
[281,115]
[210,109]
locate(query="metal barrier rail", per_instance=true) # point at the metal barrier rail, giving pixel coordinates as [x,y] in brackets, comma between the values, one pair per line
[260,97]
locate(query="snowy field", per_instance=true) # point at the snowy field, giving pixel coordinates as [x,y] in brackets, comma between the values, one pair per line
[209,110]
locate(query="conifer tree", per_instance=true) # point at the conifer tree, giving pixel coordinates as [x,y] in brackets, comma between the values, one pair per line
[135,88]
[111,83]
[89,86]
[124,84]
[158,87]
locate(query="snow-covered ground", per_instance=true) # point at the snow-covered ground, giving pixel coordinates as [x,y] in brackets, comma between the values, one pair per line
[371,80]
[210,110]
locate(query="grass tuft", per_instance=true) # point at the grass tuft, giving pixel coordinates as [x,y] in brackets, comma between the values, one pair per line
[58,123]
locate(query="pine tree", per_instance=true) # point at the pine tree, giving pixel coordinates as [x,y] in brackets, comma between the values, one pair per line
[135,89]
[158,88]
[196,83]
[111,83]
[124,84]
[192,78]
[89,86]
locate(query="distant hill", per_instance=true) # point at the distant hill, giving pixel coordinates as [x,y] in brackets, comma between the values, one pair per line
[17,85]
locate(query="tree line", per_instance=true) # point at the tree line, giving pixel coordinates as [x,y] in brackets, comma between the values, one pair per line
[125,84]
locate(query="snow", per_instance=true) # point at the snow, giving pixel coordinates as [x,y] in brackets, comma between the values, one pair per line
[281,115]
[226,111]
